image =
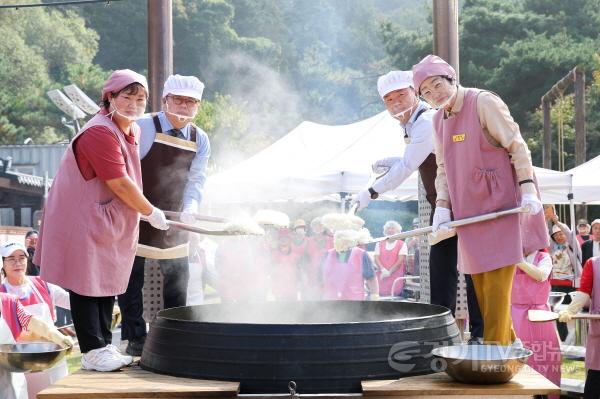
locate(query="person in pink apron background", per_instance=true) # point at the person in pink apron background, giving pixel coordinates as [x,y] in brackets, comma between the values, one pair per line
[531,288]
[241,276]
[284,268]
[300,248]
[588,293]
[15,319]
[317,246]
[38,298]
[390,259]
[347,269]
[89,230]
[483,166]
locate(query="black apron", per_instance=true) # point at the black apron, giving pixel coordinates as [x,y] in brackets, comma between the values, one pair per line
[165,172]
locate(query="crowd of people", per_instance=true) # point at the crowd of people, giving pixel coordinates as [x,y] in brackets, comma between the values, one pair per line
[298,261]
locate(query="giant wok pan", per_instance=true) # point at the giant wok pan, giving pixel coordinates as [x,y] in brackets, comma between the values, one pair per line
[324,347]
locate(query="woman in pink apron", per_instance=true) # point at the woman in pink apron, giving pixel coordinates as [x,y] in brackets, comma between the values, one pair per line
[14,320]
[39,299]
[317,247]
[241,276]
[345,274]
[531,288]
[390,259]
[89,229]
[589,293]
[284,269]
[484,166]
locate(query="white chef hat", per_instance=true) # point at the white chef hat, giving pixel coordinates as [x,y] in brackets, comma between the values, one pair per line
[394,80]
[187,86]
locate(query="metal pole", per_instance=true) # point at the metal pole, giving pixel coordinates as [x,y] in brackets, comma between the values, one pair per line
[46,186]
[445,31]
[573,234]
[580,128]
[160,48]
[547,146]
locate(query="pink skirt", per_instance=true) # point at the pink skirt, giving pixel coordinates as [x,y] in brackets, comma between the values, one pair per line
[542,339]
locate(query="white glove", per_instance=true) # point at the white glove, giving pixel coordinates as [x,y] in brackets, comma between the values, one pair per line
[578,301]
[157,219]
[187,217]
[440,216]
[385,273]
[383,165]
[363,199]
[532,201]
[49,332]
[534,272]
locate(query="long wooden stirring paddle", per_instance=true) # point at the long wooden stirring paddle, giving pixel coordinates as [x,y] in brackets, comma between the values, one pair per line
[536,315]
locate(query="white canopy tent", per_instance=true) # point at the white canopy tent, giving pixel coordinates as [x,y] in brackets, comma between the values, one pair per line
[316,161]
[313,161]
[586,183]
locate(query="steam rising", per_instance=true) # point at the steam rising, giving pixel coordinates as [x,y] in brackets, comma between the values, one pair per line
[342,221]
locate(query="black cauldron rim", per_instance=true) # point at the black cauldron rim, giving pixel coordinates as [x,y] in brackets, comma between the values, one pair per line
[443,312]
[201,342]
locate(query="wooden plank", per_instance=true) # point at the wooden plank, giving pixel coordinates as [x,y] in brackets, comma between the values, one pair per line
[455,397]
[526,382]
[133,382]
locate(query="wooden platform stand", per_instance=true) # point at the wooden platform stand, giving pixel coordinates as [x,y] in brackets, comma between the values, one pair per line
[133,382]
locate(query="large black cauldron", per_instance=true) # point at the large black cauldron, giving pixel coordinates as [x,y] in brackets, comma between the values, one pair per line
[325,347]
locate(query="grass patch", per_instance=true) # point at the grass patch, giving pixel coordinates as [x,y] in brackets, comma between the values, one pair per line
[74,361]
[573,369]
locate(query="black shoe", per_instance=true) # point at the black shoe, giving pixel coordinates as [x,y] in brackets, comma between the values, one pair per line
[135,346]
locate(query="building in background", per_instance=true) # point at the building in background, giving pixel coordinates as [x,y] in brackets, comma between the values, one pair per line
[22,181]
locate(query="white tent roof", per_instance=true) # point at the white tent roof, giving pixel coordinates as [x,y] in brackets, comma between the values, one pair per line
[314,161]
[586,186]
[311,161]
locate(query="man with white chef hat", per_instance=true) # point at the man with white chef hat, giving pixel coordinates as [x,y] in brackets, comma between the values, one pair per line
[174,153]
[415,117]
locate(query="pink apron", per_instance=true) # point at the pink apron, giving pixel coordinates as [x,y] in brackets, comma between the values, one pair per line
[387,259]
[88,236]
[39,295]
[592,346]
[239,277]
[481,180]
[541,338]
[8,312]
[317,250]
[343,280]
[284,276]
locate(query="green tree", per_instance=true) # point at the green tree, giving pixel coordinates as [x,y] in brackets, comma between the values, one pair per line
[38,46]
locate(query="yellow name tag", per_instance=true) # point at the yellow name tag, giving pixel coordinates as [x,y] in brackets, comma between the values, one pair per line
[458,137]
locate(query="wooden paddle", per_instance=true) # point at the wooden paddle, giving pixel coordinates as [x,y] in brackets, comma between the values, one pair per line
[203,218]
[546,315]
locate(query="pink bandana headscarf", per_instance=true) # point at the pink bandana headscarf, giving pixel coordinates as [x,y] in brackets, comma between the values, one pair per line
[432,65]
[120,79]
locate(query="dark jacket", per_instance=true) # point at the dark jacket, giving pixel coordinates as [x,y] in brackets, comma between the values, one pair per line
[587,250]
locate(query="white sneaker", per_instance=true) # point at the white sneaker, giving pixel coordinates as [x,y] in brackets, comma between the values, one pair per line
[125,359]
[101,359]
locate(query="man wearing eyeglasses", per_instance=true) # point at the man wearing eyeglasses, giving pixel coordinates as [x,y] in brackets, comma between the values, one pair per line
[174,153]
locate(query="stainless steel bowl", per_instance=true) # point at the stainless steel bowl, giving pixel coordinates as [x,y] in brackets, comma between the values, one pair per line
[555,298]
[31,356]
[481,364]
